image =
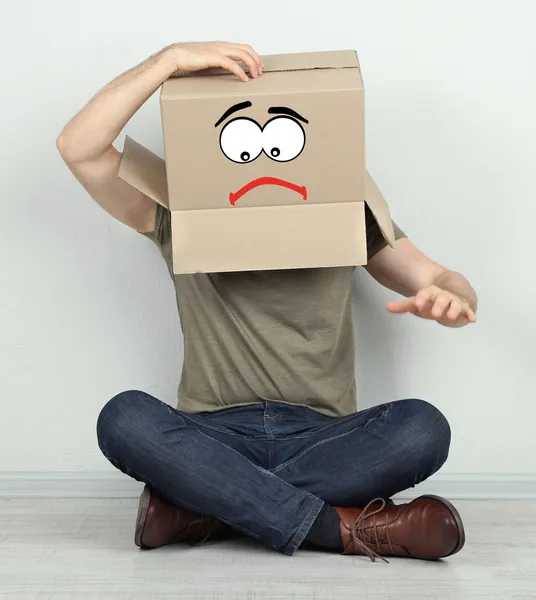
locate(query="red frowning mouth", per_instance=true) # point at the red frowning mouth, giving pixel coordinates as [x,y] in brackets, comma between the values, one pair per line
[235,196]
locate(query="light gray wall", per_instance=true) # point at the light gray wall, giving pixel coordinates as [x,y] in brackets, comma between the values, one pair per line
[87,308]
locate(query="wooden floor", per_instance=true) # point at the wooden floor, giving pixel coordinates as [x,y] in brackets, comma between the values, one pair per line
[83,549]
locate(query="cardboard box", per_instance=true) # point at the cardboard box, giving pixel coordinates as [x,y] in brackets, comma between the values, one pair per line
[268,174]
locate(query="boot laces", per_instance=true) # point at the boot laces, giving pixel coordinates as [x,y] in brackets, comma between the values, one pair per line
[366,536]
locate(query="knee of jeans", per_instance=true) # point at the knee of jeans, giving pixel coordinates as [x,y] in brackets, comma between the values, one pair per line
[117,417]
[429,430]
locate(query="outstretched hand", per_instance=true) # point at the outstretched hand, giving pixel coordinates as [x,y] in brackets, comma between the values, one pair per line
[438,305]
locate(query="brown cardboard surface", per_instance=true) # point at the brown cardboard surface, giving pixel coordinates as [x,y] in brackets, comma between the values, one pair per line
[332,59]
[328,93]
[330,166]
[145,171]
[264,238]
[310,80]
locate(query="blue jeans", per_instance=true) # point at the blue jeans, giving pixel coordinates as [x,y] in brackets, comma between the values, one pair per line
[267,469]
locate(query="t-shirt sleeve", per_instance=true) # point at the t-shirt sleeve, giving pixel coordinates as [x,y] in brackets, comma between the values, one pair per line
[161,235]
[375,239]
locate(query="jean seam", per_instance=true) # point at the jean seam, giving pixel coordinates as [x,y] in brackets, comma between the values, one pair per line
[269,434]
[340,420]
[388,407]
[321,442]
[225,431]
[296,437]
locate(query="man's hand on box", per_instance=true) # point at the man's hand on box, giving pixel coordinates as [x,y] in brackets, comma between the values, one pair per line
[194,56]
[437,304]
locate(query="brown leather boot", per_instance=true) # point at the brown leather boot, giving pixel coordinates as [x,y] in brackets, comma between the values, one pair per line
[429,527]
[160,523]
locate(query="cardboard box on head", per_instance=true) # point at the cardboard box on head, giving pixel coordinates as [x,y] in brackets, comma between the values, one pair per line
[264,175]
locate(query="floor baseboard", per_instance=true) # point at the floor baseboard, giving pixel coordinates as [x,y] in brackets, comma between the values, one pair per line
[83,484]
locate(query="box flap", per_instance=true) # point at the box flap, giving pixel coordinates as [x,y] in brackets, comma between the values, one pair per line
[338,59]
[145,171]
[379,208]
[269,237]
[302,61]
[279,83]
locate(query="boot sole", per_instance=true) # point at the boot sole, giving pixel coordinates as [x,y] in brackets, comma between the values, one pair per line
[142,516]
[457,519]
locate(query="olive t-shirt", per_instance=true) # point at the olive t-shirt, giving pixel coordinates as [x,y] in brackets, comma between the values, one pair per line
[284,335]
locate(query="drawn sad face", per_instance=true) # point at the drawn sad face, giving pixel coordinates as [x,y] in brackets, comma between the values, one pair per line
[243,140]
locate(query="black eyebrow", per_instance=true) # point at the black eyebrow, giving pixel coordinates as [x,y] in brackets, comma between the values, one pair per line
[283,110]
[233,109]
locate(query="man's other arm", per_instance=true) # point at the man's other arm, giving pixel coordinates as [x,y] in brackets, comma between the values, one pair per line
[432,291]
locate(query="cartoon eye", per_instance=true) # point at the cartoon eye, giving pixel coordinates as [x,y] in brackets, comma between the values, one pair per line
[283,139]
[241,140]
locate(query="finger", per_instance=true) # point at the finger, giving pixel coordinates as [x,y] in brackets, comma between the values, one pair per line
[423,305]
[454,311]
[402,306]
[471,315]
[255,56]
[246,59]
[424,297]
[218,60]
[441,304]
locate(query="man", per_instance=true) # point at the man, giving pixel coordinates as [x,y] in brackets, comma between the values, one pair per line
[267,441]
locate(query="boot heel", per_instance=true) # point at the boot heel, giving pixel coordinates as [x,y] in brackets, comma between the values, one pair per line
[142,515]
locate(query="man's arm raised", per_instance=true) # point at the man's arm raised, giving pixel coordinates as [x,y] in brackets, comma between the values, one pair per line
[86,142]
